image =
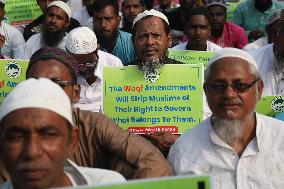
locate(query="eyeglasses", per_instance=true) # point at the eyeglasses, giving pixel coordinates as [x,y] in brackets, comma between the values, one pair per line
[238,87]
[61,83]
[87,64]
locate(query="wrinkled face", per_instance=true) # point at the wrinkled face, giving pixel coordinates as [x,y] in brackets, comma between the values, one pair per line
[197,30]
[106,23]
[35,144]
[54,70]
[279,37]
[56,19]
[228,103]
[218,16]
[87,63]
[131,8]
[150,40]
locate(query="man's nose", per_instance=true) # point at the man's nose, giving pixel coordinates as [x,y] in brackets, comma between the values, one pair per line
[230,92]
[32,148]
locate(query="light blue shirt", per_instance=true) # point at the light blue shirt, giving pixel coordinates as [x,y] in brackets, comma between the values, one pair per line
[123,48]
[248,17]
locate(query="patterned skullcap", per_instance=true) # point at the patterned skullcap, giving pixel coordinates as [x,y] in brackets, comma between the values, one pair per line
[61,5]
[81,40]
[233,52]
[60,55]
[278,14]
[151,12]
[222,3]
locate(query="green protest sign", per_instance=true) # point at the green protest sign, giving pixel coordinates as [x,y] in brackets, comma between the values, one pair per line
[179,182]
[21,12]
[173,103]
[191,57]
[272,106]
[12,72]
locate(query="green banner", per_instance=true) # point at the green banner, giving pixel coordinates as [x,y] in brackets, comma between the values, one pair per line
[173,103]
[178,182]
[12,72]
[191,57]
[272,106]
[21,12]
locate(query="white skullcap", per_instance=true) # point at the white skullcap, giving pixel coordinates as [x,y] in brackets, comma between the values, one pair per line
[81,40]
[275,16]
[61,5]
[38,93]
[151,12]
[233,52]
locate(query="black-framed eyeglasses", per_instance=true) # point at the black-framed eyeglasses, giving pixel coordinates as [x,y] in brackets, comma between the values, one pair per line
[61,83]
[238,87]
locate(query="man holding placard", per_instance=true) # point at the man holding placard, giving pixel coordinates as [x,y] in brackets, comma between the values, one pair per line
[238,147]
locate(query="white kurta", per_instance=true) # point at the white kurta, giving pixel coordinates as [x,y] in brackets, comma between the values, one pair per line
[261,42]
[273,84]
[200,151]
[14,41]
[91,95]
[81,15]
[80,176]
[264,58]
[210,46]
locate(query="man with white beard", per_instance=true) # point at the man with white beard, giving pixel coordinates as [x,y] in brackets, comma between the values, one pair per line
[236,146]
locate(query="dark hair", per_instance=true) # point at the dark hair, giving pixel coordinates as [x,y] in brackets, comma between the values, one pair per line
[2,5]
[166,25]
[198,11]
[99,5]
[47,53]
[140,1]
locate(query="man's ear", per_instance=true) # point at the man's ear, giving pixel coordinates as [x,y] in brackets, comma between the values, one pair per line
[170,40]
[259,88]
[76,93]
[73,140]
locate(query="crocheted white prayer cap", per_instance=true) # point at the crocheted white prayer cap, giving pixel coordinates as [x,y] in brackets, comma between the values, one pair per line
[233,52]
[81,40]
[275,16]
[38,93]
[151,12]
[61,5]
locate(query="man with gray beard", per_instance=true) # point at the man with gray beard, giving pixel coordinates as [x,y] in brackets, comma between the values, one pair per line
[270,60]
[236,146]
[151,39]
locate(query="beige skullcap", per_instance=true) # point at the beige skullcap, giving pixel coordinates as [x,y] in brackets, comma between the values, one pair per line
[81,40]
[61,5]
[38,93]
[151,12]
[233,52]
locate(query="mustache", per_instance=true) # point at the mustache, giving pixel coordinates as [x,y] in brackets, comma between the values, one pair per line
[227,102]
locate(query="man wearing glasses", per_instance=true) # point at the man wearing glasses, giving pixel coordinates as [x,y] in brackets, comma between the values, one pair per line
[81,43]
[236,146]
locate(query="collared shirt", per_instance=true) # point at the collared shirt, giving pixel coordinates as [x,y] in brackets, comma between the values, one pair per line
[200,151]
[90,95]
[264,58]
[261,42]
[210,46]
[84,176]
[273,84]
[14,41]
[248,17]
[123,48]
[232,36]
[36,42]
